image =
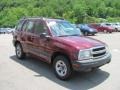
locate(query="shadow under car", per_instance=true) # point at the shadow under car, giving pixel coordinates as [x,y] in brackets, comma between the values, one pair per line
[80,80]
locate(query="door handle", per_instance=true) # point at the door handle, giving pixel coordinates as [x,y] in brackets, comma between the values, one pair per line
[32,37]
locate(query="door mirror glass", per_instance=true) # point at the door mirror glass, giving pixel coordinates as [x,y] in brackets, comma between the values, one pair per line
[44,35]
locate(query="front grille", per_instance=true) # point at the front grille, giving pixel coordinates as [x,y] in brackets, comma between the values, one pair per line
[98,51]
[99,54]
[100,48]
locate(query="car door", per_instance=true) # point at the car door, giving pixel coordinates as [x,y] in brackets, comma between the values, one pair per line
[19,33]
[39,43]
[28,29]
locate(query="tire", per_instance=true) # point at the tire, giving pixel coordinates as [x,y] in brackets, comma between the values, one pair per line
[95,69]
[110,32]
[62,68]
[105,31]
[19,51]
[116,29]
[85,33]
[93,34]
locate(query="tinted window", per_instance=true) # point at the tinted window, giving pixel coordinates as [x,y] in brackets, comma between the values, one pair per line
[39,27]
[29,26]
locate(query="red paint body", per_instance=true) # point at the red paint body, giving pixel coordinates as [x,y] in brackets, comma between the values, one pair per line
[47,48]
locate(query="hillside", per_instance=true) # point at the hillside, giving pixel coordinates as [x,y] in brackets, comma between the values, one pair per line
[77,11]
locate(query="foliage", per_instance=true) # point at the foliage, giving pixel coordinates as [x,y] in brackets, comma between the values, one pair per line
[76,11]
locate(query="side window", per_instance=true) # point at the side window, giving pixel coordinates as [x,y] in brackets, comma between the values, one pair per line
[29,26]
[39,27]
[24,26]
[19,26]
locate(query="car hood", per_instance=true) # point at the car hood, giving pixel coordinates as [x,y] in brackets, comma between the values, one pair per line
[80,42]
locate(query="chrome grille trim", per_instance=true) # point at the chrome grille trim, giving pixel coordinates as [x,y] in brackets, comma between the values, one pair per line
[98,53]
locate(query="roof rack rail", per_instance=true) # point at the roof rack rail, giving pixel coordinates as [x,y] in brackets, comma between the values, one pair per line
[30,17]
[25,17]
[59,18]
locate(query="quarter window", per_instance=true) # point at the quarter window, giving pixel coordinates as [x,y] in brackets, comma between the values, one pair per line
[19,25]
[24,26]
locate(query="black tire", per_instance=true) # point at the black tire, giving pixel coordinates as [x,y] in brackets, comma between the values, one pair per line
[20,54]
[93,34]
[56,65]
[116,29]
[110,32]
[95,69]
[85,33]
[105,31]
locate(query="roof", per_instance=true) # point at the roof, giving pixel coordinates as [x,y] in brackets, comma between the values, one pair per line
[44,18]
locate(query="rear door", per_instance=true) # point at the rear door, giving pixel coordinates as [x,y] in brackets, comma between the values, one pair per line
[19,33]
[28,29]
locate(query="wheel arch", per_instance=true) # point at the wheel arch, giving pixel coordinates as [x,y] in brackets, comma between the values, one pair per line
[55,54]
[15,43]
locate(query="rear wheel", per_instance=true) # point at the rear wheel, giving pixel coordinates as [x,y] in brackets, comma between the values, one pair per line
[19,51]
[116,29]
[85,33]
[62,67]
[105,31]
[93,34]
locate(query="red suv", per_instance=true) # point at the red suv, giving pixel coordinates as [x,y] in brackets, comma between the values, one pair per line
[60,44]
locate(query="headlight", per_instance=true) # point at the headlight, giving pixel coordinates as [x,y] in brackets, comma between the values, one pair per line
[84,54]
[91,30]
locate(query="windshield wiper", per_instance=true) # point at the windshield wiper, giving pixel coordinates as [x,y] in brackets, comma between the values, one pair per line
[69,35]
[75,35]
[63,35]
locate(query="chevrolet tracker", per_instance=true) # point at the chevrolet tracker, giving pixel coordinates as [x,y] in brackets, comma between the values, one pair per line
[58,43]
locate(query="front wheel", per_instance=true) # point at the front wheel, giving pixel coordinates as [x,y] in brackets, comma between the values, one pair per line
[19,51]
[62,67]
[105,31]
[95,69]
[110,32]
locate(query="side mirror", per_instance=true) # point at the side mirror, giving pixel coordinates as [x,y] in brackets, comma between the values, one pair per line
[44,35]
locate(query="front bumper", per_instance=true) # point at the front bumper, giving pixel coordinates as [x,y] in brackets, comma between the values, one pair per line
[92,32]
[91,63]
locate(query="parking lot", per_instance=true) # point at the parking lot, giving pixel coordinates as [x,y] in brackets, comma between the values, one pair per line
[32,74]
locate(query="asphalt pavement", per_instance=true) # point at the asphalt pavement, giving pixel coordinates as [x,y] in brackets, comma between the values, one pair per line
[33,74]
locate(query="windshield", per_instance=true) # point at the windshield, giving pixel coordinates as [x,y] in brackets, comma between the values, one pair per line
[63,28]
